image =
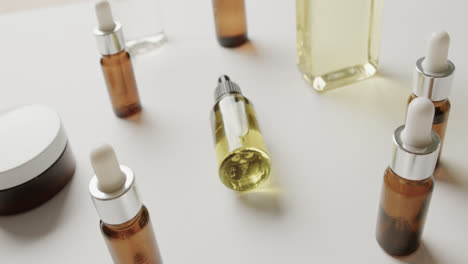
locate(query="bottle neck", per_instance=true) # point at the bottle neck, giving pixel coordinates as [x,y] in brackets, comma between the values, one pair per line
[120,206]
[109,43]
[226,86]
[130,222]
[435,87]
[413,165]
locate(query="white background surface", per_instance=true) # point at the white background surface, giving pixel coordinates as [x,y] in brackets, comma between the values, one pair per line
[329,150]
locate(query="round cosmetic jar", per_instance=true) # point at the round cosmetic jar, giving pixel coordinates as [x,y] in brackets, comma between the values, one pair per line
[36,161]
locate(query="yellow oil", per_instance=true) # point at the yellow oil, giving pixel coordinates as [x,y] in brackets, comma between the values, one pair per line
[243,162]
[337,40]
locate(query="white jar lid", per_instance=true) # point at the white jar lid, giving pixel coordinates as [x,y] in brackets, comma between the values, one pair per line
[32,139]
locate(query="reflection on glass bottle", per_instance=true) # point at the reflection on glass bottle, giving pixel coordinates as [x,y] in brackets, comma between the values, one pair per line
[242,158]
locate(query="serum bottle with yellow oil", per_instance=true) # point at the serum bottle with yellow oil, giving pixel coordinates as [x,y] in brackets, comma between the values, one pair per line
[243,162]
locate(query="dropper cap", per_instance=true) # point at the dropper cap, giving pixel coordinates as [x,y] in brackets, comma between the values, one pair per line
[418,127]
[436,58]
[416,145]
[108,33]
[107,169]
[225,86]
[112,188]
[104,16]
[434,73]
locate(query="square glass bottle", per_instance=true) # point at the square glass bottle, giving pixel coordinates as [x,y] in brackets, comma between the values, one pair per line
[337,40]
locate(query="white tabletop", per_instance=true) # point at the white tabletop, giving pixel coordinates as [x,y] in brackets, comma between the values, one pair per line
[329,150]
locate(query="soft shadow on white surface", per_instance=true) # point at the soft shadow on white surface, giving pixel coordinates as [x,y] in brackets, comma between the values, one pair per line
[138,118]
[447,172]
[247,48]
[141,120]
[38,222]
[423,255]
[267,198]
[379,93]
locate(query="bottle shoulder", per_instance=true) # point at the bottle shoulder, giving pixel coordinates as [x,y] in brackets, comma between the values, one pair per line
[233,97]
[133,226]
[442,104]
[405,186]
[121,57]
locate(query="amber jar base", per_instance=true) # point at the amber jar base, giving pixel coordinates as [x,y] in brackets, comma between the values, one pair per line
[128,111]
[391,241]
[402,213]
[40,189]
[133,241]
[232,42]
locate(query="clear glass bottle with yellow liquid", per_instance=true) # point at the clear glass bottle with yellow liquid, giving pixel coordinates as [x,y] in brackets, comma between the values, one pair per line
[337,41]
[243,162]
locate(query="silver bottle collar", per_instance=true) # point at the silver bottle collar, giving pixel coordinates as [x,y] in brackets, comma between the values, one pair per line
[225,86]
[412,165]
[109,43]
[120,206]
[434,87]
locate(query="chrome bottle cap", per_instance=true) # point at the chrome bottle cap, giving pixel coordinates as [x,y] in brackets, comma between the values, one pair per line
[412,165]
[120,206]
[109,43]
[225,86]
[108,33]
[435,87]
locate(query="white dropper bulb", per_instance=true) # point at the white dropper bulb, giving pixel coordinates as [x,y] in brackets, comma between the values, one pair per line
[435,61]
[107,169]
[104,16]
[418,128]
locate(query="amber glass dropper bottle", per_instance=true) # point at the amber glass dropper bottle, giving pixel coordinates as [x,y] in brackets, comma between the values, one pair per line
[433,79]
[408,181]
[230,21]
[125,221]
[116,63]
